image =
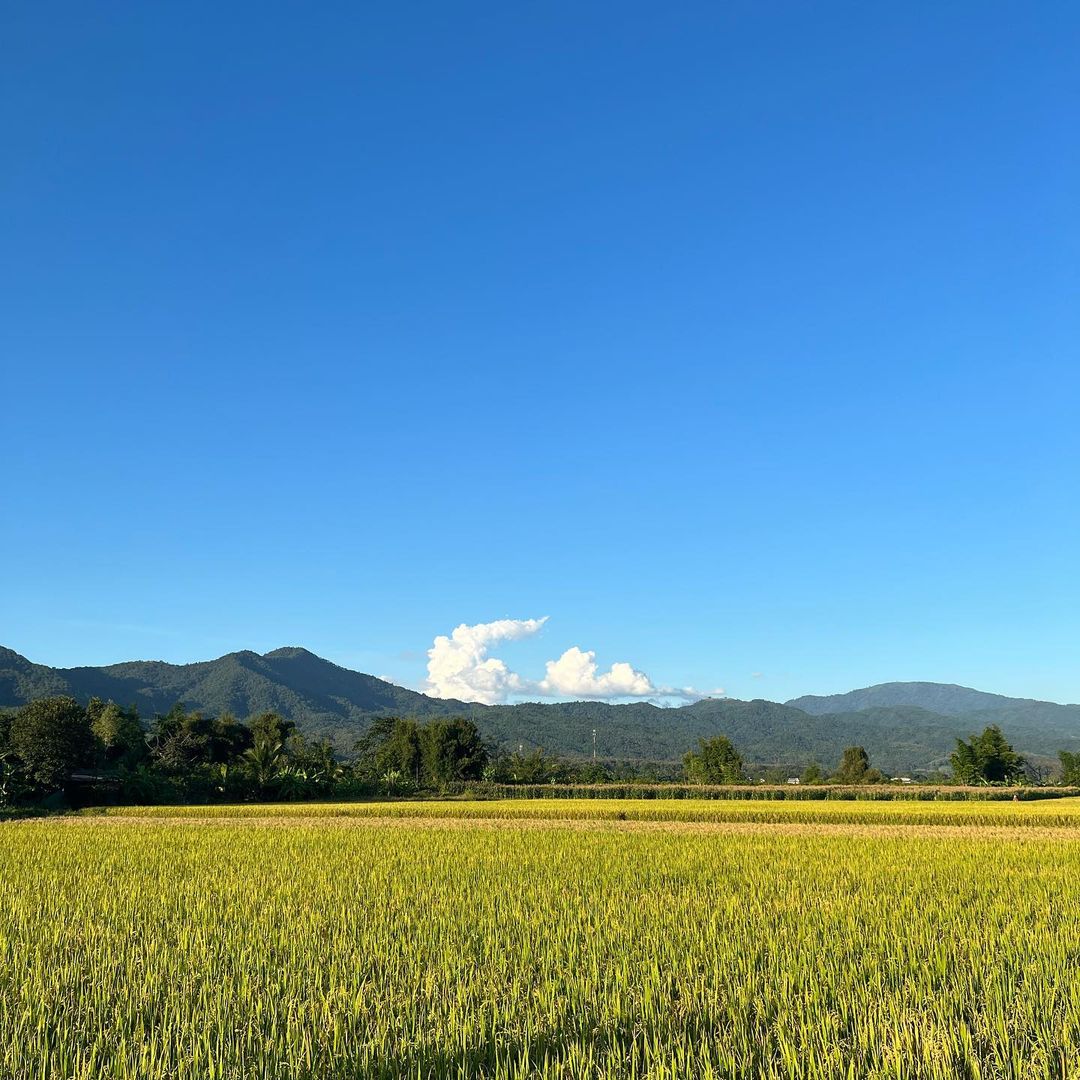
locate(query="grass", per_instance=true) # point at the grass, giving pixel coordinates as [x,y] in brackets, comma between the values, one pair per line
[200,943]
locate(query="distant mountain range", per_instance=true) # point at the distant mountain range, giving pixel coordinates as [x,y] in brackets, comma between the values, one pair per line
[906,727]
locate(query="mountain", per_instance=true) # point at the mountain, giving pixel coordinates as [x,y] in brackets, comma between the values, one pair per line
[906,727]
[766,732]
[943,698]
[317,694]
[1036,727]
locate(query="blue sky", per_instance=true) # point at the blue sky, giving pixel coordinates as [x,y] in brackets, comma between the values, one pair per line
[738,340]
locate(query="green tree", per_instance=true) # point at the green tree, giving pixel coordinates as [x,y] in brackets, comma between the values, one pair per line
[813,774]
[13,782]
[854,766]
[264,762]
[452,749]
[593,772]
[369,748]
[986,759]
[312,767]
[716,761]
[118,730]
[51,738]
[528,767]
[965,763]
[181,743]
[400,752]
[1070,768]
[227,739]
[270,727]
[179,740]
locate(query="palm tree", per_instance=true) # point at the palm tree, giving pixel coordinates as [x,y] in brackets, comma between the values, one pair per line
[264,760]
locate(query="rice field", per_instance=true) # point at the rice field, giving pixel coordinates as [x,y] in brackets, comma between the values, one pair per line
[843,940]
[1064,812]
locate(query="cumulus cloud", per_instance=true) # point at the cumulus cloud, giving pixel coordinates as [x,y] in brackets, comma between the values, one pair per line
[574,674]
[459,666]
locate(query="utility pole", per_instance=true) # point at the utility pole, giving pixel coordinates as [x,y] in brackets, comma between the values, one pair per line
[594,744]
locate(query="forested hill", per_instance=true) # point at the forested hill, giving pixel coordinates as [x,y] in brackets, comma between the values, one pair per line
[1032,724]
[944,698]
[899,728]
[294,682]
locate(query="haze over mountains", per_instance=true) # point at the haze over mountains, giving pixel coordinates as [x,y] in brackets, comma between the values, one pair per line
[906,727]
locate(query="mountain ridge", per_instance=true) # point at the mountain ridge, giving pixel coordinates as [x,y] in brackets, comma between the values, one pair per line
[326,700]
[948,699]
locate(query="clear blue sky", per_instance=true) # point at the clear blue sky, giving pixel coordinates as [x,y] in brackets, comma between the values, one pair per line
[739,339]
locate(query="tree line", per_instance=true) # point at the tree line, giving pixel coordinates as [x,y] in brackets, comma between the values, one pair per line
[55,746]
[57,749]
[983,759]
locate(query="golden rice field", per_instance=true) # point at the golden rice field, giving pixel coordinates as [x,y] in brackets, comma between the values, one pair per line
[1050,812]
[528,940]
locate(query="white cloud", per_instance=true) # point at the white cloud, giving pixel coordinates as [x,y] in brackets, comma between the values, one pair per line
[574,674]
[459,667]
